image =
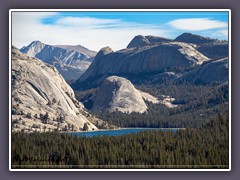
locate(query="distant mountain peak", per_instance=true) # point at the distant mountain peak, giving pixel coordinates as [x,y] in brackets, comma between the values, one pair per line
[193,38]
[104,51]
[36,42]
[71,61]
[140,40]
[33,48]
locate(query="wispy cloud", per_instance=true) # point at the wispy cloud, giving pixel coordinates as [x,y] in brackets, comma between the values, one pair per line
[93,33]
[197,24]
[87,22]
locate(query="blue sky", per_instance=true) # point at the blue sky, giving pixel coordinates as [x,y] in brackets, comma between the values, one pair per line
[95,30]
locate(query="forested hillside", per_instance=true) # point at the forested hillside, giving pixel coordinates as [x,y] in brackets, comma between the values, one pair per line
[203,147]
[195,105]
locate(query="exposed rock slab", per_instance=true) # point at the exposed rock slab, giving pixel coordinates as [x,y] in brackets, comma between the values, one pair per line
[118,94]
[153,59]
[42,99]
[212,72]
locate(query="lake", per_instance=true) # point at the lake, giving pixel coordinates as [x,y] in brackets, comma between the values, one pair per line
[119,132]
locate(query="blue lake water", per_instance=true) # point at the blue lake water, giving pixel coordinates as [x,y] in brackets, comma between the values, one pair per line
[119,132]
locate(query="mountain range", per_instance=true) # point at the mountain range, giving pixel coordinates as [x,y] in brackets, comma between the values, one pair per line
[40,72]
[151,56]
[71,61]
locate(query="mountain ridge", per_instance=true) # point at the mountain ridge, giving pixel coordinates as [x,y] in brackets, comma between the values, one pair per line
[141,60]
[152,56]
[70,63]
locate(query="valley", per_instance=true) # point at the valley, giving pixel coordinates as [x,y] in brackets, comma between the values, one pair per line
[153,83]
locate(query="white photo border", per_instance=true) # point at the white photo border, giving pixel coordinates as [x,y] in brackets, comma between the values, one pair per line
[118,10]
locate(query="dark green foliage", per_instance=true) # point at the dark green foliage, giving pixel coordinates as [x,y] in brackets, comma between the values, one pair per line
[86,97]
[203,147]
[85,127]
[196,103]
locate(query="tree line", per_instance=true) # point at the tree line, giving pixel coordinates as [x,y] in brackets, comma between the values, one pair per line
[205,146]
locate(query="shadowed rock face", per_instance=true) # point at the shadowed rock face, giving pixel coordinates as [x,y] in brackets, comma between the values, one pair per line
[37,89]
[212,48]
[141,60]
[214,71]
[193,38]
[70,62]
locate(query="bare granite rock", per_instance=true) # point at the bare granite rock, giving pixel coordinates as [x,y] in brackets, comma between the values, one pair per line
[119,94]
[104,51]
[151,59]
[42,100]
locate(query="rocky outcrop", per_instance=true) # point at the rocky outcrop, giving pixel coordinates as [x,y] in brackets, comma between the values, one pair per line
[132,62]
[42,100]
[139,41]
[211,72]
[119,94]
[70,62]
[214,50]
[104,51]
[157,39]
[193,38]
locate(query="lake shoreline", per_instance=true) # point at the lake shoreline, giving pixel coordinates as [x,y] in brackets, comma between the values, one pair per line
[131,128]
[122,131]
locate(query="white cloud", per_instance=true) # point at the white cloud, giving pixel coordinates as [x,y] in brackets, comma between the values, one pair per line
[93,33]
[86,21]
[197,24]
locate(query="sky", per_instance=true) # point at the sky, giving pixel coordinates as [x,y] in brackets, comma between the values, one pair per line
[95,30]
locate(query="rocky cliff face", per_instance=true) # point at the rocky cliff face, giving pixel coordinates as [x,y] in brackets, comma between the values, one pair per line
[212,48]
[119,94]
[71,61]
[152,59]
[42,100]
[211,72]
